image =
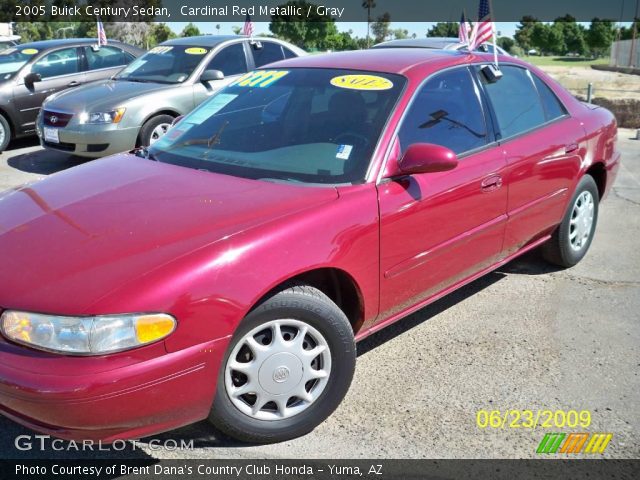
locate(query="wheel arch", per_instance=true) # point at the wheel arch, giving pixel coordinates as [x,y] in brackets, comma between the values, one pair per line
[12,127]
[336,284]
[598,172]
[166,111]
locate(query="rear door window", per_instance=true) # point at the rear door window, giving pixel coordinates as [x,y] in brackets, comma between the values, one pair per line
[105,57]
[269,53]
[230,60]
[515,101]
[553,108]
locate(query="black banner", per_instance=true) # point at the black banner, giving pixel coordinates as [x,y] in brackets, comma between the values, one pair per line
[319,469]
[304,10]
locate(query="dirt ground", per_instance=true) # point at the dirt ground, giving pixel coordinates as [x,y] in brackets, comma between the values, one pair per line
[611,85]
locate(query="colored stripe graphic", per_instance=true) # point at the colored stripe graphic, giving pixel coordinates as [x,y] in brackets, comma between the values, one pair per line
[550,443]
[574,443]
[598,442]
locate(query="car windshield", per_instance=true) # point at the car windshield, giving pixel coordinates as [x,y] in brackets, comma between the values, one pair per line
[13,59]
[298,125]
[164,64]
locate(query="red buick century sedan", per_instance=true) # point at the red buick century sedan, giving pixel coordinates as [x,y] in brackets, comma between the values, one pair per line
[227,271]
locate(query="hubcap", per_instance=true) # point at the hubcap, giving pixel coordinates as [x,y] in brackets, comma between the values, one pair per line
[278,369]
[581,221]
[159,131]
[3,134]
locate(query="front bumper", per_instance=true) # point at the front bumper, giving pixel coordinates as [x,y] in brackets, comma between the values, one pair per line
[121,396]
[91,141]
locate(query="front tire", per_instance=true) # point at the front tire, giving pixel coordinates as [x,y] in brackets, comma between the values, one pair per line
[5,133]
[287,368]
[572,239]
[154,129]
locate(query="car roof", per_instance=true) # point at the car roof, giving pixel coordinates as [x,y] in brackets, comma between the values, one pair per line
[429,42]
[210,40]
[45,44]
[400,61]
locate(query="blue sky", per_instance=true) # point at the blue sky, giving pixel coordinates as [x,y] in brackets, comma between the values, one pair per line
[506,29]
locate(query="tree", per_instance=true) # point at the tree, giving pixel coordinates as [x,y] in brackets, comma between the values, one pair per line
[308,32]
[600,36]
[548,39]
[626,33]
[400,33]
[190,31]
[573,35]
[443,29]
[134,33]
[236,29]
[368,5]
[160,32]
[507,44]
[381,27]
[524,31]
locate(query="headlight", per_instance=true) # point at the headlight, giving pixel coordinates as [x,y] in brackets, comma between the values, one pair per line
[114,116]
[85,335]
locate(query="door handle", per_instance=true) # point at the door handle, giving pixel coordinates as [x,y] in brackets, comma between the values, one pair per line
[572,147]
[73,84]
[491,183]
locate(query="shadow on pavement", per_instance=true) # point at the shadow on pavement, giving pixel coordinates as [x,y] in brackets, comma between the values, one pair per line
[43,162]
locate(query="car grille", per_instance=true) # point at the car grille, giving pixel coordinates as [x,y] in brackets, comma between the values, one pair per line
[67,147]
[56,119]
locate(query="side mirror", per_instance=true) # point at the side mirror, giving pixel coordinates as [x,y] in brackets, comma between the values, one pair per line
[177,120]
[209,75]
[427,158]
[32,78]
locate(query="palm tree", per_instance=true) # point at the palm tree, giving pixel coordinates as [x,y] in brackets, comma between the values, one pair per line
[218,28]
[368,5]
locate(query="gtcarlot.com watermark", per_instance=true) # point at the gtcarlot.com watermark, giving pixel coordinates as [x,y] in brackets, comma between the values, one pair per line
[45,443]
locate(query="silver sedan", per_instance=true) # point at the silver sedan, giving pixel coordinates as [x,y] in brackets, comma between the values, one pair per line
[136,106]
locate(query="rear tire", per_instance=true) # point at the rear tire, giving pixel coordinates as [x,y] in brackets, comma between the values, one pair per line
[285,330]
[572,239]
[154,128]
[5,133]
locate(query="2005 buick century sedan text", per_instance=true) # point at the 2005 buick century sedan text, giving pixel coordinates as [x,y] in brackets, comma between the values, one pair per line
[227,270]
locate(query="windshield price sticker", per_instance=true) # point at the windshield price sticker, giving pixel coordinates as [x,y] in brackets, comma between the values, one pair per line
[160,50]
[29,51]
[196,51]
[261,78]
[362,82]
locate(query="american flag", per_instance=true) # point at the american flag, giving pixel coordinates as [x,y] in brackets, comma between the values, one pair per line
[102,35]
[248,26]
[483,29]
[463,30]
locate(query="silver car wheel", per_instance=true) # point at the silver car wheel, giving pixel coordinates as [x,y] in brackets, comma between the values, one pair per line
[278,369]
[3,134]
[158,132]
[581,223]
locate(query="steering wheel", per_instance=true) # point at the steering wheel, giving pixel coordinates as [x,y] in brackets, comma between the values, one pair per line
[363,140]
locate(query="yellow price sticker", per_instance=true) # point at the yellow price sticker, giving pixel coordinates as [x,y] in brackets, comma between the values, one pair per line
[362,82]
[261,78]
[29,51]
[196,51]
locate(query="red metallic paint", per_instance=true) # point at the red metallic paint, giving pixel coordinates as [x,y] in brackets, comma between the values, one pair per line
[125,235]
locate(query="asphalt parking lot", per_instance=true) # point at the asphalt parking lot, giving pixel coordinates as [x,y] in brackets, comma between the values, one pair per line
[524,337]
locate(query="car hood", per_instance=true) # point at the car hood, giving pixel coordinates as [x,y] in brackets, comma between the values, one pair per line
[101,94]
[70,239]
